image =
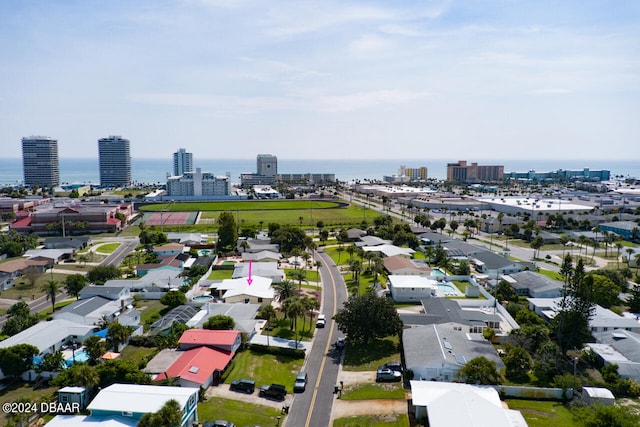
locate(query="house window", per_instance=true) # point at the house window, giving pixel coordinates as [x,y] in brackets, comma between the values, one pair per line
[247,300]
[259,299]
[64,398]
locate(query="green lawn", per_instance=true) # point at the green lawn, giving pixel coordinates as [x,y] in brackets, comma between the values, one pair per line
[150,311]
[107,248]
[241,205]
[22,290]
[551,274]
[220,274]
[542,413]
[304,326]
[374,391]
[138,355]
[18,392]
[264,369]
[373,421]
[312,275]
[368,357]
[239,413]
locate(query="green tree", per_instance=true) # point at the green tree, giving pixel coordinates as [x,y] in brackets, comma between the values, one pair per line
[220,322]
[610,416]
[547,362]
[479,370]
[289,238]
[51,288]
[576,308]
[118,334]
[634,301]
[95,347]
[173,299]
[102,273]
[170,415]
[17,359]
[285,289]
[604,291]
[268,313]
[536,244]
[52,362]
[31,275]
[74,284]
[517,362]
[227,231]
[367,317]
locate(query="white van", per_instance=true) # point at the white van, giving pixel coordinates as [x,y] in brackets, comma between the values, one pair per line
[322,321]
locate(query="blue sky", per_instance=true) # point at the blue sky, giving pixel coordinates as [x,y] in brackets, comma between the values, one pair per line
[474,80]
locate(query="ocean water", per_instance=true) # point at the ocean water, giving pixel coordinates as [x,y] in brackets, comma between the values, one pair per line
[155,170]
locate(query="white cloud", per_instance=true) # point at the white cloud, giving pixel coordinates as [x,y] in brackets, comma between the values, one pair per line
[370,45]
[356,101]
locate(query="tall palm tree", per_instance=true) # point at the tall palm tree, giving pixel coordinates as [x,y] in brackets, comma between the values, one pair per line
[619,248]
[318,265]
[285,289]
[268,312]
[351,250]
[51,288]
[309,304]
[339,249]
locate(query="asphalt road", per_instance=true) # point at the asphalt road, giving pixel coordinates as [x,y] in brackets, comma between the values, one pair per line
[313,407]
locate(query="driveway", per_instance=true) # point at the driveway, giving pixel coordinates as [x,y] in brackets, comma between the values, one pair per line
[223,391]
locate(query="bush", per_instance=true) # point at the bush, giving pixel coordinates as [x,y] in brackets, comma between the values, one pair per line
[277,351]
[143,341]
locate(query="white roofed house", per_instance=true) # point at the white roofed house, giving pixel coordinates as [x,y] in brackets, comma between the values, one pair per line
[263,269]
[411,288]
[257,290]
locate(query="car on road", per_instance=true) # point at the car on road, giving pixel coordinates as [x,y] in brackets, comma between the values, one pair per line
[301,382]
[245,385]
[386,374]
[321,321]
[275,391]
[340,342]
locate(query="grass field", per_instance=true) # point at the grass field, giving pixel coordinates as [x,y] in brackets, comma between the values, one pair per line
[373,421]
[107,248]
[21,391]
[369,357]
[239,413]
[374,391]
[543,413]
[264,369]
[22,290]
[240,205]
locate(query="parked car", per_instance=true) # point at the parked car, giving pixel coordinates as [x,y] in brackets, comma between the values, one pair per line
[321,321]
[394,366]
[301,382]
[245,385]
[218,423]
[386,374]
[340,342]
[275,391]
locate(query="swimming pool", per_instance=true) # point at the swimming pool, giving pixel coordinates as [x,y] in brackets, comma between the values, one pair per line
[438,273]
[79,356]
[445,289]
[205,252]
[202,298]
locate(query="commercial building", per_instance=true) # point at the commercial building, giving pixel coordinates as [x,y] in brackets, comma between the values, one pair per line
[267,171]
[198,184]
[561,175]
[40,161]
[464,173]
[182,162]
[115,161]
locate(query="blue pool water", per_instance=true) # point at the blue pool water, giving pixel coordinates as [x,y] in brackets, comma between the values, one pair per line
[447,289]
[437,272]
[80,356]
[202,298]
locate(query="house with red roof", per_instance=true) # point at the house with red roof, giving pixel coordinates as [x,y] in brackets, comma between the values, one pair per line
[219,339]
[200,366]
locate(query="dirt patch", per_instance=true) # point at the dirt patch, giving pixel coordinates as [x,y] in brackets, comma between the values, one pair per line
[350,408]
[223,391]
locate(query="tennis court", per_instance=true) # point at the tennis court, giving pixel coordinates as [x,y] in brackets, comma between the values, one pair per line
[170,218]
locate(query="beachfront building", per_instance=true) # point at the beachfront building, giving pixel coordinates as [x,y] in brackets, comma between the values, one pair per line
[115,162]
[267,172]
[561,175]
[198,184]
[463,173]
[182,162]
[40,161]
[406,174]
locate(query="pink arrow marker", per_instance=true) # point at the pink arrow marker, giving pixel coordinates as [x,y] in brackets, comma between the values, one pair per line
[250,280]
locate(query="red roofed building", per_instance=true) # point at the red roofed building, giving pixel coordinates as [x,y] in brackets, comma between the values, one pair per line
[223,340]
[197,367]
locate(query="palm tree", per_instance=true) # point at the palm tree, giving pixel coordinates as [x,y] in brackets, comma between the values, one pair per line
[118,334]
[299,275]
[351,250]
[619,248]
[318,265]
[309,304]
[268,312]
[629,252]
[285,289]
[51,288]
[339,249]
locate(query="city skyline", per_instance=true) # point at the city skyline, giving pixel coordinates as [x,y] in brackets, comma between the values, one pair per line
[369,80]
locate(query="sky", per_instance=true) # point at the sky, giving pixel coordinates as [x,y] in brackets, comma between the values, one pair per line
[469,79]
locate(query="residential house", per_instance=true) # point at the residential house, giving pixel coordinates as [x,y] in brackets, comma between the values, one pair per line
[244,316]
[170,249]
[55,255]
[264,269]
[188,239]
[401,266]
[257,290]
[411,288]
[180,314]
[494,265]
[113,293]
[536,285]
[198,367]
[603,320]
[257,245]
[219,339]
[12,269]
[372,241]
[77,395]
[390,250]
[263,256]
[94,310]
[622,348]
[446,404]
[134,400]
[75,243]
[629,230]
[443,310]
[354,234]
[436,352]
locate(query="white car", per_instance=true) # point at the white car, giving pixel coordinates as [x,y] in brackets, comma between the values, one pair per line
[321,321]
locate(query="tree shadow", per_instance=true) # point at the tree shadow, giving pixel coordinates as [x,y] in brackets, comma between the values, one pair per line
[363,354]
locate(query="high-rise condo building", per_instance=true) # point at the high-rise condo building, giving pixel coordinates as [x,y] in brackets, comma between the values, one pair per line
[40,161]
[462,172]
[115,162]
[182,162]
[267,165]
